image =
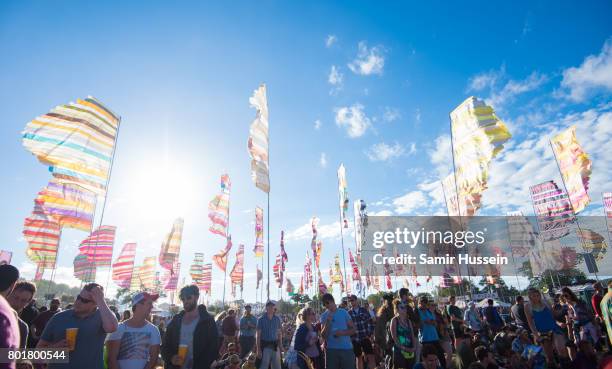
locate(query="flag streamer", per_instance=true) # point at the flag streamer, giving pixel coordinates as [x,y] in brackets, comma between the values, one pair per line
[237,273]
[98,247]
[552,209]
[124,266]
[259,227]
[258,143]
[171,246]
[219,208]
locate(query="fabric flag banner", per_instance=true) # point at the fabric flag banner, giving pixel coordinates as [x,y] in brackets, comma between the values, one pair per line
[575,167]
[84,269]
[607,204]
[38,276]
[308,277]
[360,220]
[337,275]
[277,270]
[171,247]
[355,267]
[124,266]
[98,247]
[552,209]
[521,234]
[478,136]
[146,273]
[196,271]
[76,141]
[42,233]
[301,288]
[220,259]
[259,228]
[237,273]
[258,143]
[290,288]
[314,221]
[170,278]
[322,286]
[283,253]
[468,204]
[70,205]
[344,200]
[593,243]
[5,257]
[219,208]
[206,285]
[259,277]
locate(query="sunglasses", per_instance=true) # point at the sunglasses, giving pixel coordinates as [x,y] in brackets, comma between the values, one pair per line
[84,300]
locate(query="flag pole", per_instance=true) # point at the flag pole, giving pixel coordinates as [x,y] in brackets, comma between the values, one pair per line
[569,198]
[341,228]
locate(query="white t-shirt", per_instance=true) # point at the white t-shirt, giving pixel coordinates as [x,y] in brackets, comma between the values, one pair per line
[135,343]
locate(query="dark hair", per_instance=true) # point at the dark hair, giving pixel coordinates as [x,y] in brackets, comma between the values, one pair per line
[8,275]
[428,350]
[571,293]
[518,298]
[481,353]
[490,301]
[247,307]
[25,286]
[90,286]
[327,298]
[403,292]
[452,297]
[191,290]
[55,301]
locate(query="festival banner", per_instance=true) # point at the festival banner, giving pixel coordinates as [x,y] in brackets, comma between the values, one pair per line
[553,210]
[521,234]
[258,143]
[76,141]
[196,271]
[219,209]
[314,221]
[5,257]
[169,280]
[84,270]
[124,266]
[322,286]
[98,247]
[356,275]
[259,227]
[42,233]
[360,220]
[70,205]
[469,203]
[478,136]
[344,200]
[38,276]
[593,243]
[206,285]
[171,246]
[308,277]
[220,259]
[146,273]
[301,288]
[277,270]
[237,272]
[575,167]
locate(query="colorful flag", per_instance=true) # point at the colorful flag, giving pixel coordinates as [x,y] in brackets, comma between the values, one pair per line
[301,288]
[277,270]
[322,286]
[5,257]
[171,247]
[355,267]
[478,136]
[521,234]
[124,266]
[361,219]
[206,285]
[344,200]
[146,273]
[593,243]
[237,272]
[290,288]
[259,243]
[42,233]
[314,221]
[220,259]
[552,209]
[219,208]
[170,278]
[575,167]
[76,141]
[84,269]
[38,276]
[607,204]
[283,253]
[308,278]
[196,271]
[337,274]
[469,203]
[70,205]
[258,143]
[98,247]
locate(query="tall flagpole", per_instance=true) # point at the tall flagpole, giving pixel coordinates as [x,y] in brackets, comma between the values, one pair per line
[341,228]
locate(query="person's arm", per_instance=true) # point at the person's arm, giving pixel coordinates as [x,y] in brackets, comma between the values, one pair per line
[393,329]
[47,338]
[153,355]
[326,325]
[113,351]
[530,322]
[109,321]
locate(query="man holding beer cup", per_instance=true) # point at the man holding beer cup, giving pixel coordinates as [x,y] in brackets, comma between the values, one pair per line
[81,329]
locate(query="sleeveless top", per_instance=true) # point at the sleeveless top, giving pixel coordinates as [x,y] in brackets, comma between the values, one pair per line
[544,320]
[404,335]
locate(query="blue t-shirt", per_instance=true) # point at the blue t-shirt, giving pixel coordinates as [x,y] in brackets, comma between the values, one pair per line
[339,322]
[269,327]
[427,332]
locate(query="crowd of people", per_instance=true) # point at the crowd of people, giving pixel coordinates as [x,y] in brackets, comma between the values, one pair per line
[404,332]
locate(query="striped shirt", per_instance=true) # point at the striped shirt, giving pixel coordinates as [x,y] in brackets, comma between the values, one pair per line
[269,327]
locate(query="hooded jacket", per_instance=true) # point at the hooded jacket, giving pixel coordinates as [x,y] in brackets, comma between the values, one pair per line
[205,348]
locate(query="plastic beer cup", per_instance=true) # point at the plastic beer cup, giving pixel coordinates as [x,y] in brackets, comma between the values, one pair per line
[71,335]
[182,353]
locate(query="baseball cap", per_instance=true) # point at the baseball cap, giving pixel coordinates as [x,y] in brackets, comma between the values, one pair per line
[271,302]
[141,296]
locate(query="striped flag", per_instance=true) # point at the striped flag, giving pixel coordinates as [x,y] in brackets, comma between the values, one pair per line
[124,266]
[70,205]
[76,141]
[344,200]
[98,247]
[170,278]
[593,243]
[171,246]
[42,233]
[258,143]
[38,276]
[146,273]
[575,167]
[478,136]
[355,267]
[468,203]
[207,279]
[237,273]
[219,208]
[259,243]
[196,271]
[521,234]
[322,285]
[308,278]
[361,218]
[277,270]
[84,269]
[220,259]
[290,288]
[552,209]
[5,257]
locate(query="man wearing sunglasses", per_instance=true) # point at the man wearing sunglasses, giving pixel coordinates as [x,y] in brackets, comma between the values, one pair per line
[193,327]
[337,331]
[94,320]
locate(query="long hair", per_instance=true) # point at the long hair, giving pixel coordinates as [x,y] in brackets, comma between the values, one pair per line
[301,316]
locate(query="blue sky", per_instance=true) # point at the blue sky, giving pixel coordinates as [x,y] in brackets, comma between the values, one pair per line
[367,84]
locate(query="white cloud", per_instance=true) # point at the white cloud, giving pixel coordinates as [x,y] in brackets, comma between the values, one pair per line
[353,119]
[409,202]
[441,156]
[330,40]
[412,149]
[513,88]
[594,73]
[324,231]
[317,124]
[485,80]
[323,160]
[384,152]
[335,78]
[417,116]
[382,213]
[368,61]
[391,114]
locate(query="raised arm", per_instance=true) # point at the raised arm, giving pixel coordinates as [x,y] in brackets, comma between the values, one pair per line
[109,321]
